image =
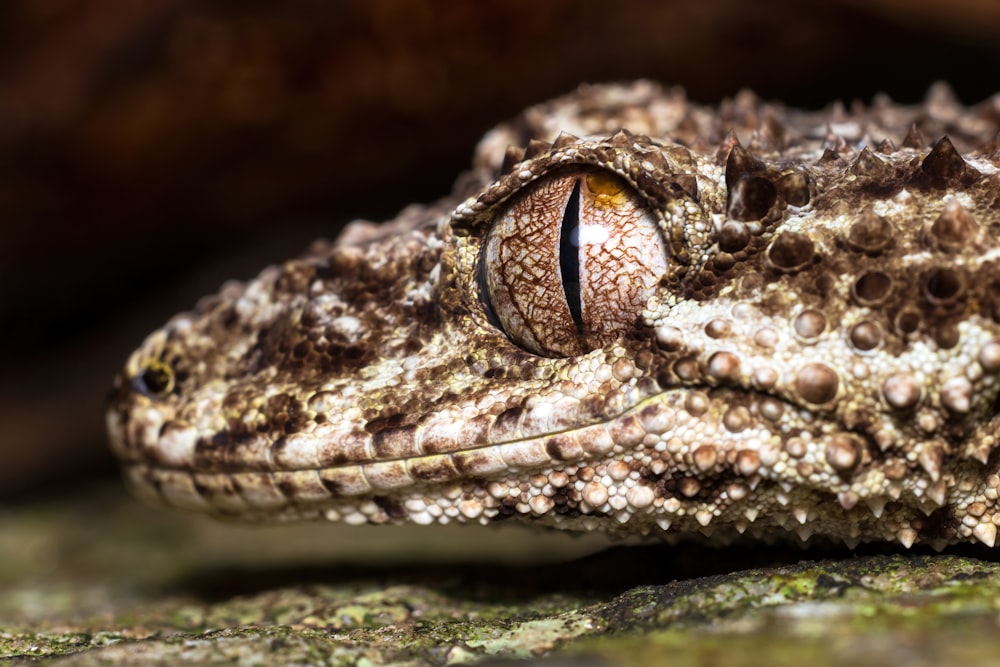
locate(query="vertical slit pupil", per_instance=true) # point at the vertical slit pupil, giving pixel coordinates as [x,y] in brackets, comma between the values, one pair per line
[569,256]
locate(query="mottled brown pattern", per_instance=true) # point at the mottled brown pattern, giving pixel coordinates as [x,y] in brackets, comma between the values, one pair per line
[820,357]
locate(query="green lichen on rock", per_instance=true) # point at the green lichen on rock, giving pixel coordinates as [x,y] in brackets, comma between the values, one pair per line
[94,579]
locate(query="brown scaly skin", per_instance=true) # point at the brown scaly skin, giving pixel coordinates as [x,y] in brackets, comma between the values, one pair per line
[820,357]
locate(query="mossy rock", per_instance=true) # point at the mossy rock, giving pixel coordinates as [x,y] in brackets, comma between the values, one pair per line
[93,578]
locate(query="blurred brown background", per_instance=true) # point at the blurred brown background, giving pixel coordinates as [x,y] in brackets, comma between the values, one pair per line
[150,150]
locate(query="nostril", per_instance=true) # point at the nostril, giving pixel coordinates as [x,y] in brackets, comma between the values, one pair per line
[156,379]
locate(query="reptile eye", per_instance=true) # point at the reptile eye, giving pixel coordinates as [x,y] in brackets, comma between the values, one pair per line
[569,264]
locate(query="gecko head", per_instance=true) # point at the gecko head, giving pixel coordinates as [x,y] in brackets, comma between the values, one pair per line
[619,332]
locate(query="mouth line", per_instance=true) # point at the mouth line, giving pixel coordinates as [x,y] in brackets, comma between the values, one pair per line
[613,434]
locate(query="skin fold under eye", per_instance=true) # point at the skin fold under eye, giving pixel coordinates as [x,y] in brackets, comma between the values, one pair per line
[568,265]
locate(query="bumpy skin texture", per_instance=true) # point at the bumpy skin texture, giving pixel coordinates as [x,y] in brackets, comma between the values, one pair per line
[821,356]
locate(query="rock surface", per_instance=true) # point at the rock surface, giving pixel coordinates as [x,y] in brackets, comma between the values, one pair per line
[93,579]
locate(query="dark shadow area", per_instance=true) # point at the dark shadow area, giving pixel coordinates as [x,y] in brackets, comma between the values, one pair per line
[149,152]
[63,479]
[599,576]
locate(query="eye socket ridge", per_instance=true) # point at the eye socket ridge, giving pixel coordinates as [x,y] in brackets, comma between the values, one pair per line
[569,263]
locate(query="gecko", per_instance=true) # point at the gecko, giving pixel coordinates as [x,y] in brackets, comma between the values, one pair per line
[634,314]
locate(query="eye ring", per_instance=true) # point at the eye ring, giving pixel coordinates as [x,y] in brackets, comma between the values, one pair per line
[568,264]
[156,379]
